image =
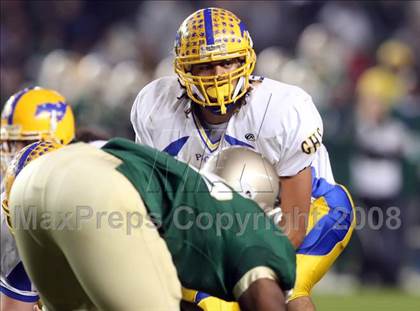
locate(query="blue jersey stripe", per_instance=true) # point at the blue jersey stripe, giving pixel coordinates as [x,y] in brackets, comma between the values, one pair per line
[208,25]
[174,147]
[18,278]
[205,139]
[236,142]
[9,293]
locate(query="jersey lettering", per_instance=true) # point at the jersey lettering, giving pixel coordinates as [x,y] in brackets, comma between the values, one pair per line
[312,143]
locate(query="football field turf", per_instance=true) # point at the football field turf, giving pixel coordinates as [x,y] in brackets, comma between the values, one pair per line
[368,300]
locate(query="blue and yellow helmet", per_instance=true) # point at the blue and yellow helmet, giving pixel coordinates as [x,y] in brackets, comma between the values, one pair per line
[23,158]
[37,113]
[209,35]
[34,114]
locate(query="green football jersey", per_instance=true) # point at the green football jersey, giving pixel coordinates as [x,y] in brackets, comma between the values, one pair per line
[214,235]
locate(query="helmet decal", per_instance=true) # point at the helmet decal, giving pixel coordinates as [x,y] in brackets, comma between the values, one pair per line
[57,109]
[36,113]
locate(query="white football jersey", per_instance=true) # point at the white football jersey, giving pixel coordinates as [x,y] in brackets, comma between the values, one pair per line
[278,120]
[14,282]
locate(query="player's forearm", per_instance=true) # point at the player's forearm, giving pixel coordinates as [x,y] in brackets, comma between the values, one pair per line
[263,294]
[295,235]
[295,204]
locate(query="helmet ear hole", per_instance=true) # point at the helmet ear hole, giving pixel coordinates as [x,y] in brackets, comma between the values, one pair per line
[248,194]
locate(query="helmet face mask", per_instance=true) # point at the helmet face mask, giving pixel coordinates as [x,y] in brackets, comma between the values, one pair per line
[8,149]
[214,35]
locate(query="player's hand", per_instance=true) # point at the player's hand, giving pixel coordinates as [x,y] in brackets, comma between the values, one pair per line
[37,306]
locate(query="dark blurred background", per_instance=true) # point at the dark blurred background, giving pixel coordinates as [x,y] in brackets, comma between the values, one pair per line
[358,59]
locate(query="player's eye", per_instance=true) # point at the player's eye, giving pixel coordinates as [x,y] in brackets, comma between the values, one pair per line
[202,67]
[228,63]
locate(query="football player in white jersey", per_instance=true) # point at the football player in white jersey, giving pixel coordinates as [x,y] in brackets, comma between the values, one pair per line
[214,102]
[30,115]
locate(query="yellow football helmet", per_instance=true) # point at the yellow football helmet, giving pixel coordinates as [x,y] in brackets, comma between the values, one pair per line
[23,158]
[34,114]
[380,83]
[210,35]
[395,54]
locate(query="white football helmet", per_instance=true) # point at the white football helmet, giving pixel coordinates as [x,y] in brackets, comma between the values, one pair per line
[248,173]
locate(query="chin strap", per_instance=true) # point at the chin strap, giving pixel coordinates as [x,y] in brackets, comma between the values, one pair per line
[239,86]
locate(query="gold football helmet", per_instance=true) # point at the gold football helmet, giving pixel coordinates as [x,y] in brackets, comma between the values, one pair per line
[23,158]
[395,54]
[248,173]
[34,114]
[380,83]
[210,35]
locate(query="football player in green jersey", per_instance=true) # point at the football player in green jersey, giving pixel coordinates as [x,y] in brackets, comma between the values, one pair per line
[124,226]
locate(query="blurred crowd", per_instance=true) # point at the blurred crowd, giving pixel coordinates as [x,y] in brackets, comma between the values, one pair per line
[359,60]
